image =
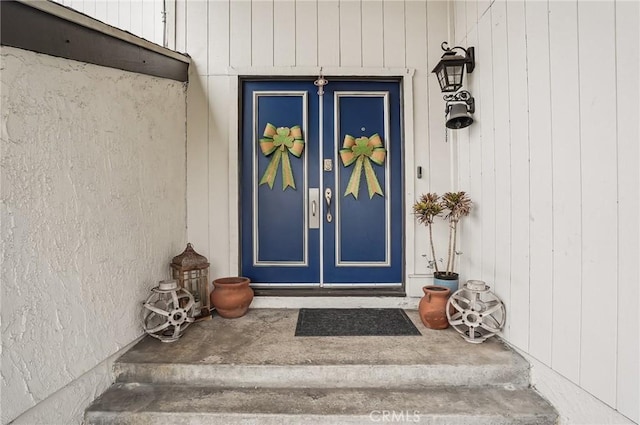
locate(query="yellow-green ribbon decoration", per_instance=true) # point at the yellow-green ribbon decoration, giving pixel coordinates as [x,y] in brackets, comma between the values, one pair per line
[279,142]
[363,151]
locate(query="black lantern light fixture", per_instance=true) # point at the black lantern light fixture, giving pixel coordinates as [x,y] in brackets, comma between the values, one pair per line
[450,69]
[450,72]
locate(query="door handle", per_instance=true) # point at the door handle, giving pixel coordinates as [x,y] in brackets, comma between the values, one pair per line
[314,201]
[327,196]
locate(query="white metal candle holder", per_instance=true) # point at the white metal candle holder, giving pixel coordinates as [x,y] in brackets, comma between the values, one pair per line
[163,317]
[476,312]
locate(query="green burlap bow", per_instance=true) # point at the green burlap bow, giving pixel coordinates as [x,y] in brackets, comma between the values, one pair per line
[280,141]
[362,151]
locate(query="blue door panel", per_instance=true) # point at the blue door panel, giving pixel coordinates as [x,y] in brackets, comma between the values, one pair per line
[275,220]
[361,222]
[277,245]
[361,231]
[363,242]
[368,231]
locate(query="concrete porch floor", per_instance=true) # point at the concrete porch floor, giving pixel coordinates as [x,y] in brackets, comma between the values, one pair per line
[266,337]
[253,370]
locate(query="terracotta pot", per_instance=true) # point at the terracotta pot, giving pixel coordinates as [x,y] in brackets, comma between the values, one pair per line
[231,296]
[432,307]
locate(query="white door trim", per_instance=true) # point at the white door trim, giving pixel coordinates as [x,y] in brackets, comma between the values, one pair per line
[407,128]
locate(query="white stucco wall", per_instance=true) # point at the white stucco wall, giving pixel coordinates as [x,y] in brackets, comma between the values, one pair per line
[92,209]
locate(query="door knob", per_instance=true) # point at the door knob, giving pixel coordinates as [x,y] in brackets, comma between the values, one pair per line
[327,196]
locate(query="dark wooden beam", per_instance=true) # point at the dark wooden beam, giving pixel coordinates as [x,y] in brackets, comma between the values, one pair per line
[29,28]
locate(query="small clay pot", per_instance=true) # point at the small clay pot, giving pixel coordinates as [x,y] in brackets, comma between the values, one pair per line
[432,307]
[231,296]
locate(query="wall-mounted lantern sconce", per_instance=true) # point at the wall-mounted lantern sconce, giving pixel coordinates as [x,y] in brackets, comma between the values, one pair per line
[459,108]
[450,69]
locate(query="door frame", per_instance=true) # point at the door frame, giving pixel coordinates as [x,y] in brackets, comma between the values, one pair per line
[237,75]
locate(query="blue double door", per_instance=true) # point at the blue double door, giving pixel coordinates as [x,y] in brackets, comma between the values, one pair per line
[321,184]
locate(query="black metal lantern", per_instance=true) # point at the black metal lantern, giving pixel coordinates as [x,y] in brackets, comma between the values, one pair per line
[450,69]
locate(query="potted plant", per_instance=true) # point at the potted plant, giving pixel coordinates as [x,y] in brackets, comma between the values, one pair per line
[426,209]
[454,205]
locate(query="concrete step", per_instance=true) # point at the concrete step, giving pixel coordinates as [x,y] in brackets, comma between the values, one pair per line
[260,350]
[253,370]
[324,376]
[129,404]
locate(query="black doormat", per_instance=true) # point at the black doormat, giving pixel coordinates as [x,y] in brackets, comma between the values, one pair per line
[354,322]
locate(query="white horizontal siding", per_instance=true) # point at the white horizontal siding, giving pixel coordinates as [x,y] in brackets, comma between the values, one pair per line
[224,36]
[554,149]
[628,132]
[143,18]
